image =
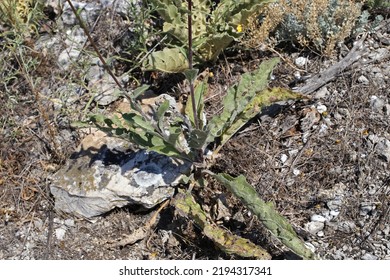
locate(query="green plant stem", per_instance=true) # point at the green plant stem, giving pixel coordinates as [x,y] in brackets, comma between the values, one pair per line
[196,121]
[94,45]
[133,103]
[101,58]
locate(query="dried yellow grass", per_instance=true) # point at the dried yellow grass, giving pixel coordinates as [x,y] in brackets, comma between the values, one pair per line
[324,23]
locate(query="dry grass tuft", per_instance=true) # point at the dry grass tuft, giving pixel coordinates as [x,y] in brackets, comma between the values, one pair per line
[318,25]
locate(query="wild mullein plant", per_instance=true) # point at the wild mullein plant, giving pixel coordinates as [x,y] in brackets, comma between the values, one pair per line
[189,137]
[214,27]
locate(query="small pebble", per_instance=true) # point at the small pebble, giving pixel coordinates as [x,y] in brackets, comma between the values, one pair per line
[57,221]
[334,204]
[321,109]
[297,74]
[377,104]
[60,233]
[318,218]
[383,149]
[283,158]
[322,93]
[314,227]
[296,172]
[365,209]
[334,213]
[301,61]
[368,256]
[363,80]
[69,222]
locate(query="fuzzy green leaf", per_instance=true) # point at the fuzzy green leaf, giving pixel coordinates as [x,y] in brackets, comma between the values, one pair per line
[213,29]
[197,139]
[199,93]
[261,100]
[168,60]
[191,74]
[239,96]
[138,91]
[226,241]
[237,12]
[266,212]
[162,109]
[134,120]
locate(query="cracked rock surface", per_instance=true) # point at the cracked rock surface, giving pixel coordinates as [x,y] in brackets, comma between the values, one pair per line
[103,174]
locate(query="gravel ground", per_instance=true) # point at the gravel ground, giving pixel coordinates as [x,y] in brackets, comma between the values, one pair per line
[324,162]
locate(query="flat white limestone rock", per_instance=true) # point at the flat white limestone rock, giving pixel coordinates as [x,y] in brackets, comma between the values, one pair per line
[105,173]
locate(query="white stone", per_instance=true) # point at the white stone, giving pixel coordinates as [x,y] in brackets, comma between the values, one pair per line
[321,93]
[90,189]
[296,172]
[75,37]
[334,204]
[318,218]
[293,152]
[377,104]
[321,109]
[283,158]
[368,256]
[60,233]
[334,213]
[374,138]
[323,129]
[301,61]
[363,80]
[314,227]
[383,149]
[69,222]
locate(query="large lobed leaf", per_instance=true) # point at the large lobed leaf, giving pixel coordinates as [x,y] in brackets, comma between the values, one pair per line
[170,60]
[212,29]
[237,12]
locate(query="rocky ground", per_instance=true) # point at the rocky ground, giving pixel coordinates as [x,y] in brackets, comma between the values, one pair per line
[323,161]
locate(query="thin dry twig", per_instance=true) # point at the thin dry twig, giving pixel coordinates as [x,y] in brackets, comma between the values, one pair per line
[140,233]
[319,80]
